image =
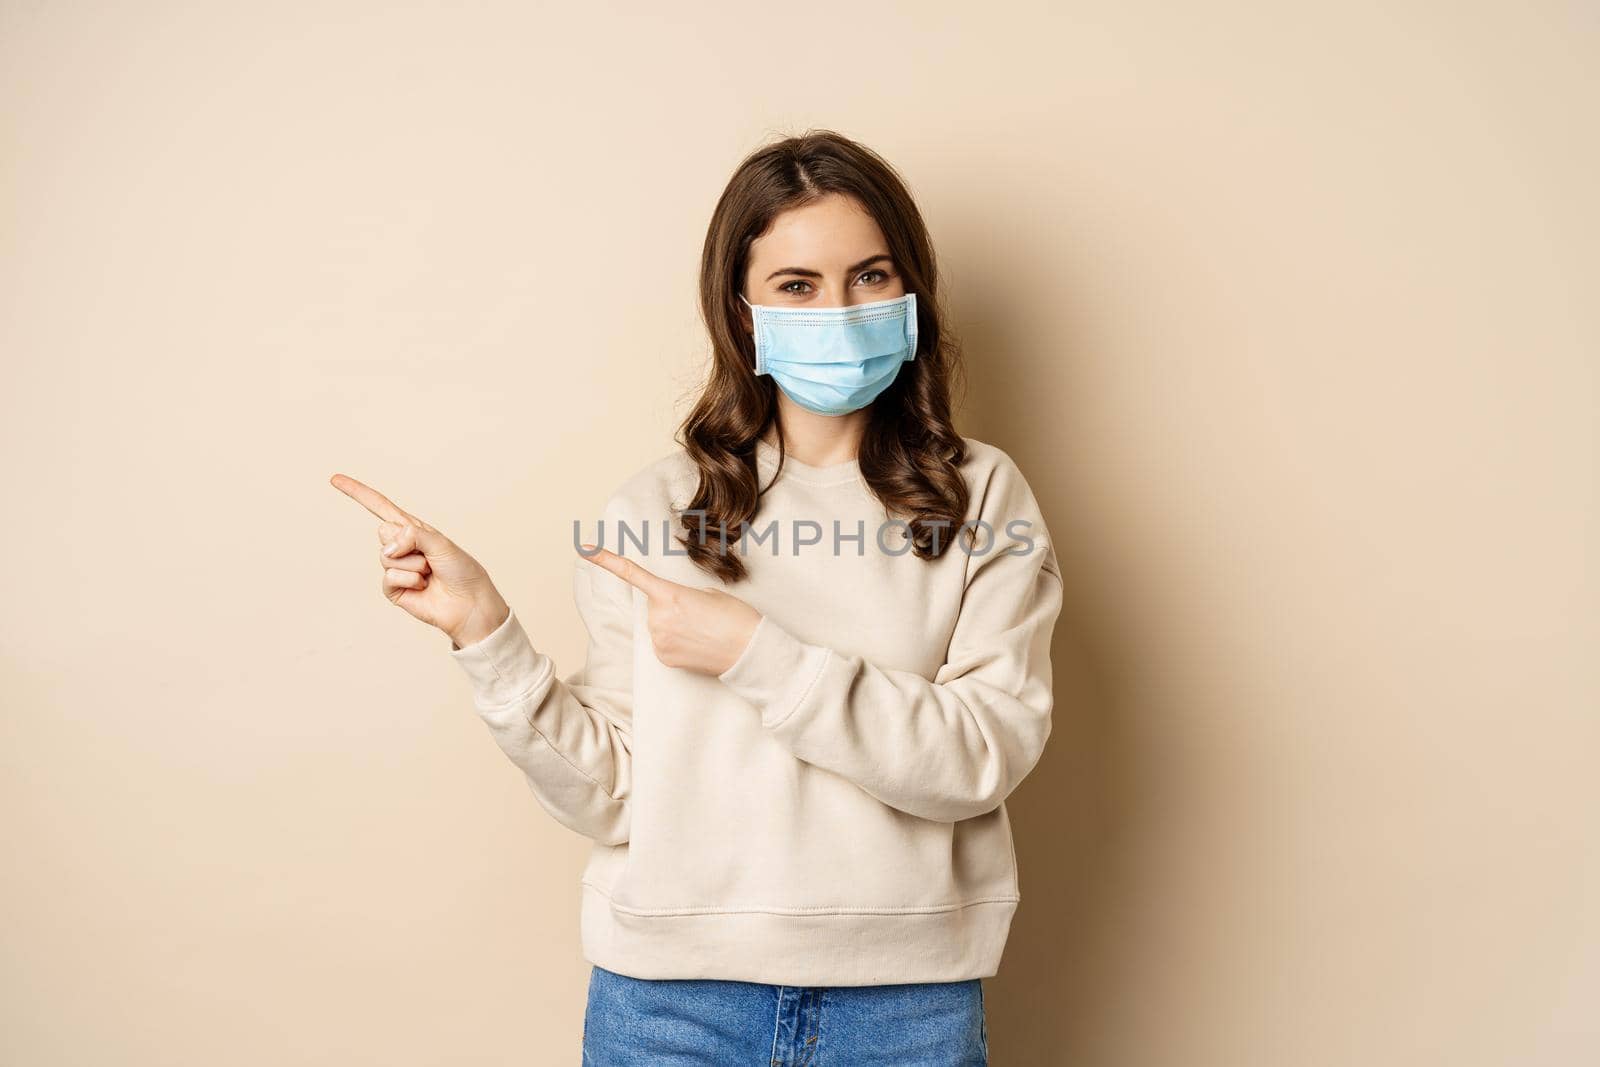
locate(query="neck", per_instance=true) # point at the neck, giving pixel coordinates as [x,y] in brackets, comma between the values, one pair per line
[819,440]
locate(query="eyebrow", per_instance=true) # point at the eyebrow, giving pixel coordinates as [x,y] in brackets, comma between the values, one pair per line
[807,273]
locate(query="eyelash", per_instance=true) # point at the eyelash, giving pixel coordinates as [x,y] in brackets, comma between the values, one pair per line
[801,281]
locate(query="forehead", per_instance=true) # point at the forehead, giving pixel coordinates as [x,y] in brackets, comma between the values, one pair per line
[827,234]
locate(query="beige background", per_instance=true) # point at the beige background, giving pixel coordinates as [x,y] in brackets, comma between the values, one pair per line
[1287,311]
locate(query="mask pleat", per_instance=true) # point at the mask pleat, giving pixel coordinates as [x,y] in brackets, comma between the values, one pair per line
[836,360]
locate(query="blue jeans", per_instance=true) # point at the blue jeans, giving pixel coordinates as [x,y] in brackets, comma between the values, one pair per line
[703,1022]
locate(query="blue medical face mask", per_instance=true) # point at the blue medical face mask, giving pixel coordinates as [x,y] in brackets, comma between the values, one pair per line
[835,360]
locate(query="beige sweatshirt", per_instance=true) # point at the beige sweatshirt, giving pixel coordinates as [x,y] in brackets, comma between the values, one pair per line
[830,810]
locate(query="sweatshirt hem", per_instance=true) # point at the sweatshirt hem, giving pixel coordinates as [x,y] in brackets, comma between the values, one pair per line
[823,946]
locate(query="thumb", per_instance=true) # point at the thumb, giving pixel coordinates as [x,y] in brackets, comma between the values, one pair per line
[430,542]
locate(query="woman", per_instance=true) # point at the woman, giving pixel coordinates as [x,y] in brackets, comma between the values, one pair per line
[818,660]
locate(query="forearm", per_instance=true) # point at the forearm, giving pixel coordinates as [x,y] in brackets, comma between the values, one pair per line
[938,751]
[575,755]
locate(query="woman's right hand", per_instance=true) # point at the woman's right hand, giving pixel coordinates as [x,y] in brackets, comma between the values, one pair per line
[428,574]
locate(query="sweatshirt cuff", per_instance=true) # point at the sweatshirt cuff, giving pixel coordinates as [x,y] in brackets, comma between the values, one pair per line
[502,666]
[775,671]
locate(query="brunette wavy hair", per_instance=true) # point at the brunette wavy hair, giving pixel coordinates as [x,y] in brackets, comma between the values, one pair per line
[910,453]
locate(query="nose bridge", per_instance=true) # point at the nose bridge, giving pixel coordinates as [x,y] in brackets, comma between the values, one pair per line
[868,299]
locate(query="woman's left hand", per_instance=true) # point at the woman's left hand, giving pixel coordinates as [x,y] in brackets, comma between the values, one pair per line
[701,630]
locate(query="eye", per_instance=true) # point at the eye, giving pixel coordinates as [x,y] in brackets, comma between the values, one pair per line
[882,276]
[785,287]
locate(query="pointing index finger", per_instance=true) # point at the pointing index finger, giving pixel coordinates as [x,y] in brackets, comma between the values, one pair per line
[631,572]
[369,498]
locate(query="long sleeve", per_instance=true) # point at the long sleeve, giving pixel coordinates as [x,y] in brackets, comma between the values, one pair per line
[947,749]
[571,737]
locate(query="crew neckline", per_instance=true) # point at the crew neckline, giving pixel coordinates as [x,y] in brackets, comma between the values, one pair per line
[832,474]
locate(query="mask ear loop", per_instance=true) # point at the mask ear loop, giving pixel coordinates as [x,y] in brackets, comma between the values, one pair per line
[911,326]
[761,349]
